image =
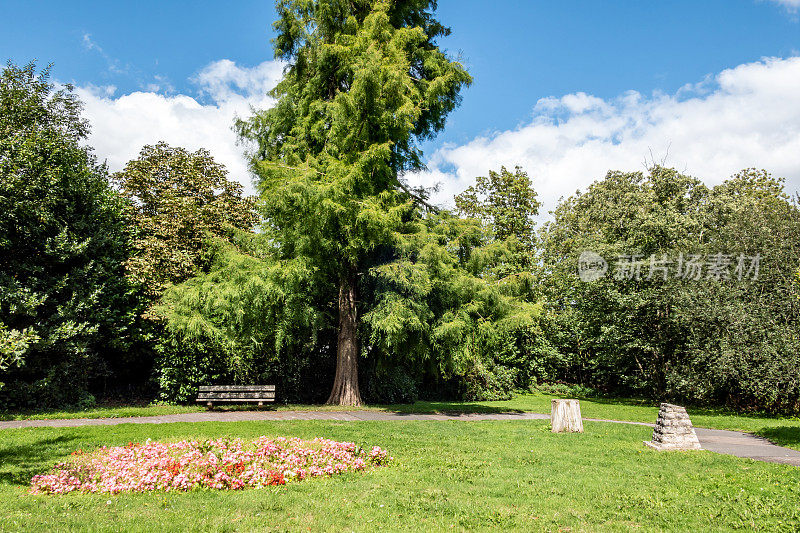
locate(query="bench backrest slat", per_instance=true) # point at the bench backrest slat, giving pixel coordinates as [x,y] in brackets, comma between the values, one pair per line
[236,388]
[240,395]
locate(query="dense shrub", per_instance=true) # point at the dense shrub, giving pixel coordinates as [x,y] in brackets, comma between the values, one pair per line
[482,383]
[391,386]
[184,364]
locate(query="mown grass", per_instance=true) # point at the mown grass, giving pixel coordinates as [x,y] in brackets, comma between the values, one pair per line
[469,476]
[780,430]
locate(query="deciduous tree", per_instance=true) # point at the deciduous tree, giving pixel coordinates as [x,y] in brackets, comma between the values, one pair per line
[177,200]
[653,324]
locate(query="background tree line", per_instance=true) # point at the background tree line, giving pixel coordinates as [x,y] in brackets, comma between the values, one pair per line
[339,281]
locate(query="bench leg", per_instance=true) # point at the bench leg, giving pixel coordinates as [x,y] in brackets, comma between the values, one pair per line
[261,404]
[209,405]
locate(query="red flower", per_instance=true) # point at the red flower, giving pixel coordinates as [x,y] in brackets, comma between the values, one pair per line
[276,478]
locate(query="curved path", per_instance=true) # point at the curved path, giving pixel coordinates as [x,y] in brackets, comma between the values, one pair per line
[715,440]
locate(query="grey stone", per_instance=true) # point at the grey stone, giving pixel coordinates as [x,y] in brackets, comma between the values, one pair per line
[673,430]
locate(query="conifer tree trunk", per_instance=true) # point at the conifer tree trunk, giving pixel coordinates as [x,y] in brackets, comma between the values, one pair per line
[345,383]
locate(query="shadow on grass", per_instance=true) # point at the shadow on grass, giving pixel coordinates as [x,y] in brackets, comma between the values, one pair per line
[19,463]
[781,435]
[418,408]
[694,410]
[425,407]
[23,413]
[101,410]
[610,400]
[749,415]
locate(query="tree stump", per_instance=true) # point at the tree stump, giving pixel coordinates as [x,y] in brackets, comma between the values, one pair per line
[565,416]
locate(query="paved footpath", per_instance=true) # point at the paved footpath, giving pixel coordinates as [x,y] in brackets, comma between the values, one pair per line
[715,440]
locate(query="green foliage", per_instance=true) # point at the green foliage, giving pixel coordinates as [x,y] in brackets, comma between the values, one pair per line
[255,317]
[506,205]
[708,340]
[364,82]
[568,390]
[249,319]
[176,199]
[481,383]
[65,306]
[185,362]
[427,309]
[505,202]
[471,307]
[14,344]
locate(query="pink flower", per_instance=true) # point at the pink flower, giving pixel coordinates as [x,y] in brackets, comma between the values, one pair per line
[217,464]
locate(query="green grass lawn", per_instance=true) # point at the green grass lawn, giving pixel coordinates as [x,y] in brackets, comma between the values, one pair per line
[783,431]
[506,475]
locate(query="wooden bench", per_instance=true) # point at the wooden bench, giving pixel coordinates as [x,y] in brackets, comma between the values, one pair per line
[211,394]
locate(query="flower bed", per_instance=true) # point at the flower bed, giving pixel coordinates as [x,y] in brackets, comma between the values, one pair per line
[216,464]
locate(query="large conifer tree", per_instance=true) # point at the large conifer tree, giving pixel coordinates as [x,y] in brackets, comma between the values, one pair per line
[365,82]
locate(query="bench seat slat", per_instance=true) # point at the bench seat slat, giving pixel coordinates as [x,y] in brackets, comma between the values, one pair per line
[237,400]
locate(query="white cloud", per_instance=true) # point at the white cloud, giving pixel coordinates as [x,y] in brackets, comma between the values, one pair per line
[89,44]
[790,5]
[223,80]
[121,126]
[748,116]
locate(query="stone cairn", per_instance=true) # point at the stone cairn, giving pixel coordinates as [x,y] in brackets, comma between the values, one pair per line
[673,430]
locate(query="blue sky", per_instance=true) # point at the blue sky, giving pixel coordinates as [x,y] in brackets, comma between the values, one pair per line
[536,64]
